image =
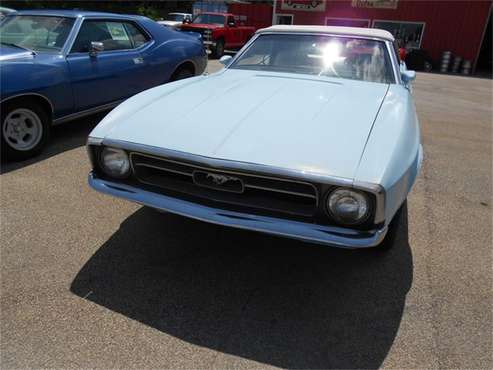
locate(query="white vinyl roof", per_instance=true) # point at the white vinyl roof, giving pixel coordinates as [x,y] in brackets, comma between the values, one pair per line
[350,31]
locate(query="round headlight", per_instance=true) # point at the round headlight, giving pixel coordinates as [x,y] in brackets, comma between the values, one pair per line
[348,206]
[115,163]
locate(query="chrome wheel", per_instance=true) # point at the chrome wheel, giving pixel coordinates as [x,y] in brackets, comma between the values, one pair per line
[22,129]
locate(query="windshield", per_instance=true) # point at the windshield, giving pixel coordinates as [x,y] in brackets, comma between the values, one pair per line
[175,17]
[36,32]
[341,57]
[209,19]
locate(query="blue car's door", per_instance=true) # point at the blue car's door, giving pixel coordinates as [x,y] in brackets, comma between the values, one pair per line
[113,74]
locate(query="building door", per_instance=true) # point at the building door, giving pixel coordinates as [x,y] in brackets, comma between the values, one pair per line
[284,19]
[484,63]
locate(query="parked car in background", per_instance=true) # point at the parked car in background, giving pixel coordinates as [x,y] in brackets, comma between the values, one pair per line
[175,20]
[220,31]
[317,140]
[56,66]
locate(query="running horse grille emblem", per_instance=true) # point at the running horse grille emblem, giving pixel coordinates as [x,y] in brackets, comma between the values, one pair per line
[217,179]
[218,182]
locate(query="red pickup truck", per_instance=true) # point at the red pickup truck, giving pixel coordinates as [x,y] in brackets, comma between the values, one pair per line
[219,31]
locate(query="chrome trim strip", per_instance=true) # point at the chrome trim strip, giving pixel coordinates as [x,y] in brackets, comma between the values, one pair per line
[248,174]
[246,186]
[395,62]
[72,36]
[161,168]
[21,55]
[87,112]
[283,191]
[94,140]
[228,165]
[326,235]
[379,192]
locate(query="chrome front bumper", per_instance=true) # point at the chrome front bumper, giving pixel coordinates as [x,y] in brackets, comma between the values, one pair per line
[327,235]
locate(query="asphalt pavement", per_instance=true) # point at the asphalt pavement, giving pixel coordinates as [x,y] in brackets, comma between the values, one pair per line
[95,282]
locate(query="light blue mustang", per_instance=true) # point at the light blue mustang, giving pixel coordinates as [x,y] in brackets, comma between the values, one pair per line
[58,65]
[317,139]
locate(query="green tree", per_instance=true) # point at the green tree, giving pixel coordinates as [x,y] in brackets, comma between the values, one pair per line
[149,12]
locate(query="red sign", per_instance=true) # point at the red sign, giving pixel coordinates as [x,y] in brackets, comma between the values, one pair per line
[380,4]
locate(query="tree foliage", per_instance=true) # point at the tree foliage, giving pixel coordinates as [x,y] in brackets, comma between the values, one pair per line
[152,9]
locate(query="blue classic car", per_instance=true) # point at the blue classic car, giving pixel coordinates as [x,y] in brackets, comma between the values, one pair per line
[318,140]
[60,65]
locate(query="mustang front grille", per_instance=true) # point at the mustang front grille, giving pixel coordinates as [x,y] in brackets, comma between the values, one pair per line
[226,188]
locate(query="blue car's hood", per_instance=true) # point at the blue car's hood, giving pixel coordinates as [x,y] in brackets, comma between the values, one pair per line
[283,120]
[12,53]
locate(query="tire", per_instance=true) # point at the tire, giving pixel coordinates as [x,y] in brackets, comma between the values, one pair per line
[25,127]
[397,230]
[219,49]
[181,74]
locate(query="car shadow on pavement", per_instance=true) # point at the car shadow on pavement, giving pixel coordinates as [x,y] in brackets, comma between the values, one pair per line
[273,300]
[63,137]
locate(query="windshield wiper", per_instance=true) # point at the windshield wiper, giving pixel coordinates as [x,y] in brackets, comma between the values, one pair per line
[18,46]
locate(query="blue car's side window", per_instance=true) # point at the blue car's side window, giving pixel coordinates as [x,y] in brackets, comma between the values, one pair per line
[115,35]
[138,37]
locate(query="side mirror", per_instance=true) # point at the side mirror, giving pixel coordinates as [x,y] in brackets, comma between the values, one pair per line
[408,76]
[225,59]
[95,48]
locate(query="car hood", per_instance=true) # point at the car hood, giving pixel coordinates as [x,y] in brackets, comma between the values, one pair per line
[298,122]
[12,52]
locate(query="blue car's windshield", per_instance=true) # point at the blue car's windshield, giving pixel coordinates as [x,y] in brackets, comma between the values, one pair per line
[35,32]
[342,57]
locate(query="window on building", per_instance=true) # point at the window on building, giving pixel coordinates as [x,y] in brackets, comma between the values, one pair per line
[407,34]
[347,22]
[284,19]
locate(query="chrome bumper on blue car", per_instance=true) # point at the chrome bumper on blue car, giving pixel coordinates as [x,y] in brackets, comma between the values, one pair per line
[328,235]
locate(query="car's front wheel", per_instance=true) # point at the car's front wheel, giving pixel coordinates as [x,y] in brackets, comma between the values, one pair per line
[219,49]
[398,231]
[181,74]
[25,129]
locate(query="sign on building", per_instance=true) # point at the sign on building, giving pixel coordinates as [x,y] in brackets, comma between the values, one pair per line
[378,4]
[307,5]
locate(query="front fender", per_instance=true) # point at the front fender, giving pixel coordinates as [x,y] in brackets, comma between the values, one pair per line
[136,103]
[393,154]
[50,80]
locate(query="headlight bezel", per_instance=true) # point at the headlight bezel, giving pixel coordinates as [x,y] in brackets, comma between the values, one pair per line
[363,220]
[106,170]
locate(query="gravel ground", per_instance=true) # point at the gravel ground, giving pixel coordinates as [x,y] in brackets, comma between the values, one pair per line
[92,281]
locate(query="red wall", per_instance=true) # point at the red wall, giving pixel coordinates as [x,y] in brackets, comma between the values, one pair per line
[258,15]
[450,25]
